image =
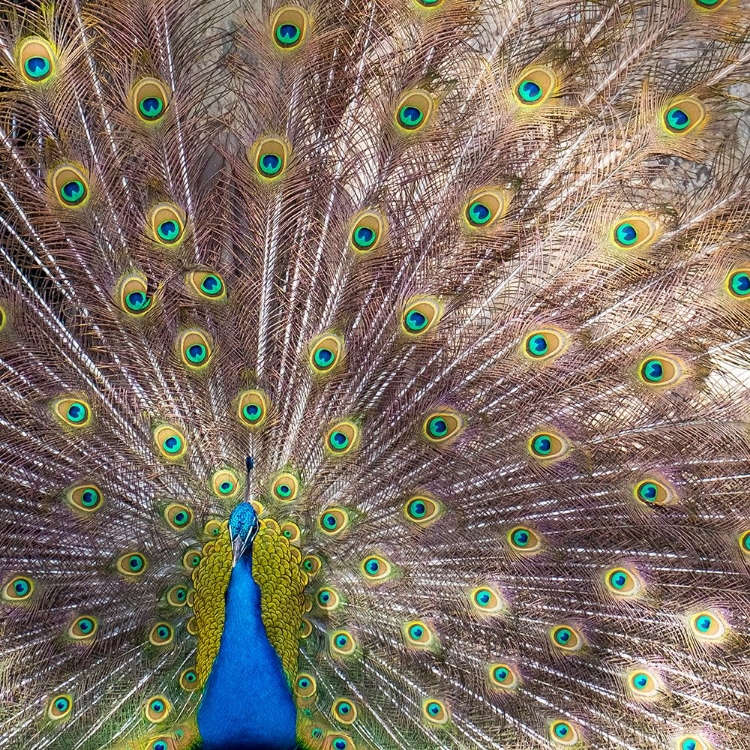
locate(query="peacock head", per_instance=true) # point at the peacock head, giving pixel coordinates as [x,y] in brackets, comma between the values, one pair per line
[243,526]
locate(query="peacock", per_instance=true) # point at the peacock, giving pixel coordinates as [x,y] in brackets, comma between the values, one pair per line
[374,374]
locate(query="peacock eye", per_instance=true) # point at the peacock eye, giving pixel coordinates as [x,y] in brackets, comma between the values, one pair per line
[191,559]
[414,110]
[344,710]
[161,634]
[366,231]
[622,582]
[563,733]
[342,643]
[253,408]
[59,707]
[132,564]
[189,680]
[289,28]
[485,600]
[305,687]
[269,157]
[328,599]
[225,483]
[149,99]
[83,628]
[435,711]
[548,446]
[333,521]
[342,438]
[419,635]
[326,352]
[503,676]
[566,638]
[634,232]
[441,426]
[178,516]
[18,589]
[157,709]
[535,86]
[311,564]
[177,596]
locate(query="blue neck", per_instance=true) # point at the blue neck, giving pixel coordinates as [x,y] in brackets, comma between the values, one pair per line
[247,703]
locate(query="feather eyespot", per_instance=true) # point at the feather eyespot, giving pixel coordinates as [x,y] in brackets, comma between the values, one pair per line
[167,224]
[70,185]
[503,676]
[285,487]
[289,28]
[161,743]
[191,559]
[744,540]
[367,231]
[683,115]
[566,638]
[305,628]
[708,626]
[548,446]
[692,742]
[83,628]
[442,426]
[177,596]
[161,634]
[738,283]
[195,349]
[18,589]
[419,635]
[342,438]
[435,711]
[706,5]
[132,564]
[544,345]
[305,686]
[486,601]
[253,408]
[328,600]
[133,295]
[311,564]
[429,4]
[225,483]
[635,232]
[342,643]
[60,707]
[524,540]
[85,497]
[333,521]
[149,99]
[622,582]
[170,442]
[212,528]
[338,742]
[290,530]
[376,568]
[326,353]
[73,412]
[192,626]
[535,86]
[660,371]
[654,492]
[484,208]
[36,59]
[178,516]
[421,315]
[269,157]
[414,110]
[207,285]
[344,710]
[157,709]
[422,510]
[643,684]
[563,733]
[189,680]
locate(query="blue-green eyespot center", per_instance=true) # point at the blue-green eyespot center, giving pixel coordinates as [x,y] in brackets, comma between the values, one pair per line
[157,706]
[640,681]
[739,283]
[561,730]
[648,492]
[417,509]
[410,116]
[135,563]
[197,353]
[90,498]
[688,744]
[652,370]
[537,345]
[529,91]
[324,358]
[173,444]
[433,709]
[169,230]
[342,641]
[542,445]
[415,320]
[483,597]
[180,518]
[160,745]
[85,625]
[677,119]
[520,537]
[316,733]
[212,285]
[284,490]
[324,596]
[705,4]
[151,107]
[340,744]
[252,412]
[288,34]
[137,301]
[338,440]
[416,632]
[372,566]
[437,427]
[364,237]
[62,704]
[330,521]
[501,674]
[703,623]
[226,488]
[618,579]
[303,683]
[77,412]
[270,164]
[21,587]
[479,214]
[73,191]
[37,67]
[745,541]
[563,636]
[626,234]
